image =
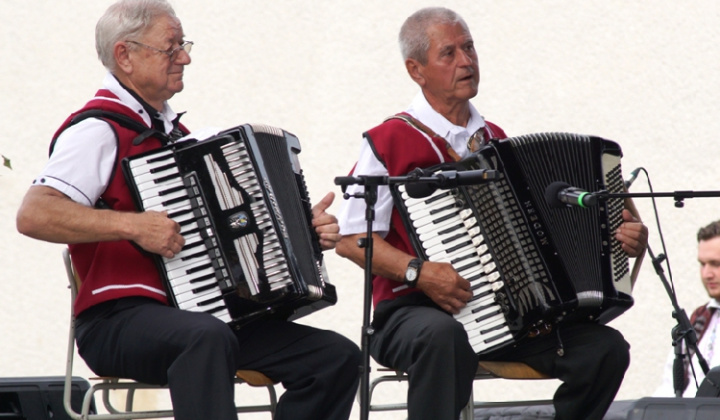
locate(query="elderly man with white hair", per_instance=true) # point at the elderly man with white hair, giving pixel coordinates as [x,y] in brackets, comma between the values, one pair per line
[414,330]
[124,324]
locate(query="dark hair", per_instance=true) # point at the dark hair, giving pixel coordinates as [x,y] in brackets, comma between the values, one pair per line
[708,232]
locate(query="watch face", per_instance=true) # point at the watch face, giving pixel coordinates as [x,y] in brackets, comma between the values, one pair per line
[411,274]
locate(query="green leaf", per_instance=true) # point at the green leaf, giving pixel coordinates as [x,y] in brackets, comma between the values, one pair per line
[6,162]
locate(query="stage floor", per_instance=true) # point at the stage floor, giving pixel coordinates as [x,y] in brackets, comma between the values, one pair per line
[642,409]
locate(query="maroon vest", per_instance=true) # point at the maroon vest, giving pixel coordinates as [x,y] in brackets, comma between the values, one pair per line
[699,319]
[111,270]
[402,148]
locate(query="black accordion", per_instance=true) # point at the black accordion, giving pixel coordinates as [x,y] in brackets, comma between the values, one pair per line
[242,204]
[530,263]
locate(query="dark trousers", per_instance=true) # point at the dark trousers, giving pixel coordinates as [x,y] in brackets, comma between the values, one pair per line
[197,355]
[433,349]
[592,366]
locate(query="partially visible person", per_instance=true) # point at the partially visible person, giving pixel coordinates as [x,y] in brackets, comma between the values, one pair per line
[705,319]
[124,325]
[414,329]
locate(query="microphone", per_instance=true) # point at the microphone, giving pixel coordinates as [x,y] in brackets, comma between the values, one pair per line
[449,179]
[561,194]
[633,177]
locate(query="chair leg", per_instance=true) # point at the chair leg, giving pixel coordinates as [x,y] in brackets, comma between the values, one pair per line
[468,413]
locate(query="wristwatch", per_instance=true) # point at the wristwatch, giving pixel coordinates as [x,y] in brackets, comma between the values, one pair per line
[412,273]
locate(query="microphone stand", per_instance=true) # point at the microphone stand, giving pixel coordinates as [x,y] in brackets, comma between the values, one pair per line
[683,331]
[371,184]
[678,196]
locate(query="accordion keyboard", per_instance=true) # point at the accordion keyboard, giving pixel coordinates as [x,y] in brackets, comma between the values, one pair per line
[451,234]
[192,272]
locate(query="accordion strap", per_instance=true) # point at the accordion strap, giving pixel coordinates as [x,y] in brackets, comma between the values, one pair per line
[413,122]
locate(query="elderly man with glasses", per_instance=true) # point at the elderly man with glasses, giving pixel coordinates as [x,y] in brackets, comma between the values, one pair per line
[125,326]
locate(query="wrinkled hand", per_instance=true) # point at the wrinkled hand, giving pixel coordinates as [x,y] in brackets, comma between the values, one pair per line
[441,283]
[325,224]
[157,233]
[632,234]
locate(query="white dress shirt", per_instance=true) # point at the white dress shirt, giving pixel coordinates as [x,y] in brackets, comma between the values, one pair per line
[84,155]
[708,347]
[352,213]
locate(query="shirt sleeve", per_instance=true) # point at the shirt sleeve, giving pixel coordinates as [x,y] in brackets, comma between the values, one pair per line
[351,216]
[82,161]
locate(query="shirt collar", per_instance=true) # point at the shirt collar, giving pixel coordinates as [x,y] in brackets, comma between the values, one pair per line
[166,115]
[714,304]
[456,135]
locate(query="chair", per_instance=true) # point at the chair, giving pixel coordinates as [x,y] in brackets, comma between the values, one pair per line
[108,384]
[486,370]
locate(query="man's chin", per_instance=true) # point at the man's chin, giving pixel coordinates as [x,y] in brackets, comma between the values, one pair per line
[468,93]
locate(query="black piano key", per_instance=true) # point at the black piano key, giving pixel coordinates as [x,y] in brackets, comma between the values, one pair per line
[484,307]
[487,316]
[163,168]
[192,245]
[180,212]
[481,295]
[202,253]
[204,288]
[469,266]
[458,246]
[171,190]
[173,201]
[198,268]
[441,209]
[463,258]
[450,229]
[444,218]
[494,328]
[495,337]
[454,238]
[165,178]
[437,197]
[158,158]
[210,301]
[203,278]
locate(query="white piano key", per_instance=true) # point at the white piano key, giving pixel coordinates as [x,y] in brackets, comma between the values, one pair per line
[449,256]
[445,248]
[415,204]
[433,218]
[145,177]
[192,297]
[410,201]
[149,162]
[159,200]
[477,310]
[183,271]
[179,288]
[184,263]
[194,305]
[443,234]
[152,188]
[433,210]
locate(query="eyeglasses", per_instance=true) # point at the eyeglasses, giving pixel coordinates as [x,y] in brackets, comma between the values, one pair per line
[171,53]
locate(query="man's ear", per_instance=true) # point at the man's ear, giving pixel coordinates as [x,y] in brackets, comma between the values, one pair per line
[415,70]
[122,57]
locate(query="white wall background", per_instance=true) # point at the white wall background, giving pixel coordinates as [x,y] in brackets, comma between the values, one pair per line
[644,74]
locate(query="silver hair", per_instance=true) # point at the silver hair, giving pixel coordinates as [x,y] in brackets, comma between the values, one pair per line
[413,37]
[126,19]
